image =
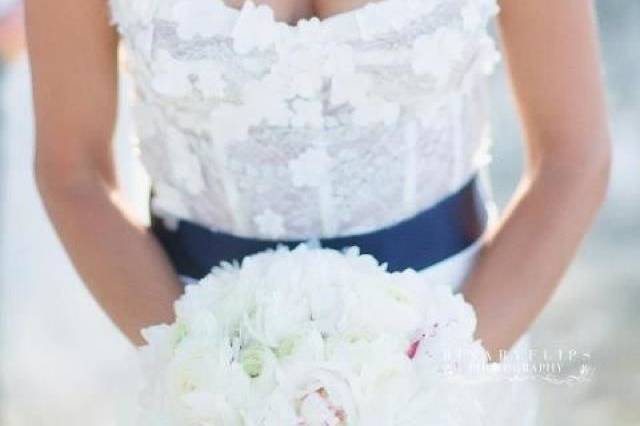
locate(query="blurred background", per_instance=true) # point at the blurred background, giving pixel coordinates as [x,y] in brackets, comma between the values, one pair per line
[63,363]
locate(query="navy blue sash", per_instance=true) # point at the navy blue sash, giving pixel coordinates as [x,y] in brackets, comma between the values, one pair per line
[418,242]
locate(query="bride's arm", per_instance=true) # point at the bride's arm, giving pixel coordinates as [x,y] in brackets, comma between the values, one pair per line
[553,61]
[73,60]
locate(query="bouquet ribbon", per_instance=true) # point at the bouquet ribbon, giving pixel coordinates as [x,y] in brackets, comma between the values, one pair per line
[430,236]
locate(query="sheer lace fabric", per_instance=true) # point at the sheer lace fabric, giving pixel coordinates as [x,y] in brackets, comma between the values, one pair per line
[328,127]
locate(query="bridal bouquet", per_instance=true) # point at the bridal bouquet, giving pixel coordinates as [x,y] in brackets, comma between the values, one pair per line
[312,337]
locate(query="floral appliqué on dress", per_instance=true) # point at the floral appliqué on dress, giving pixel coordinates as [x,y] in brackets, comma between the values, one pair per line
[326,127]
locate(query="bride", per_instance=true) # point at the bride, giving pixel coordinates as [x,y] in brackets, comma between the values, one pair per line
[350,122]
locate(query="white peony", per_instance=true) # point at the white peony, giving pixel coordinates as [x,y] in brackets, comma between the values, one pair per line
[311,337]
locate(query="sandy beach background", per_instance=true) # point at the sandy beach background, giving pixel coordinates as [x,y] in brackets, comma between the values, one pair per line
[63,363]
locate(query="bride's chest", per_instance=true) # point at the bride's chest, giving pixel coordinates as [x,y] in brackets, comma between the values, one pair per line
[291,11]
[208,54]
[255,30]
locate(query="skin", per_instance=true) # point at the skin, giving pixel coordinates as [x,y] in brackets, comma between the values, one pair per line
[554,66]
[553,63]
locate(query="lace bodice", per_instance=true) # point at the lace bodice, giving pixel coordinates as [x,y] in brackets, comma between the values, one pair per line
[328,127]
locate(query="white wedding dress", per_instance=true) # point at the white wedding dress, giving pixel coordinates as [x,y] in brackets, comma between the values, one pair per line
[324,128]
